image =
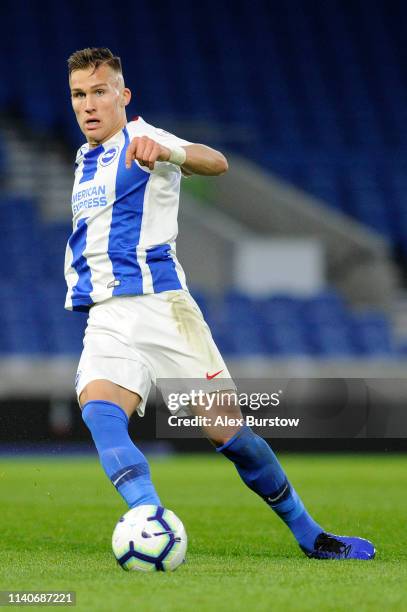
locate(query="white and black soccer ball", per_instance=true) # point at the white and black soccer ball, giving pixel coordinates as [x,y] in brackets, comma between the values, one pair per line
[149,538]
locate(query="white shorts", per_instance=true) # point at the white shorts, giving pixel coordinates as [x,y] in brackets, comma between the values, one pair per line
[135,340]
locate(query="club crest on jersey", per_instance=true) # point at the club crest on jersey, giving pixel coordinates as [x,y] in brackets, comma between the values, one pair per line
[108,156]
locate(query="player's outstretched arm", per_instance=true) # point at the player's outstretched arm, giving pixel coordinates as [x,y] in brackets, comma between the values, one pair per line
[199,159]
[203,160]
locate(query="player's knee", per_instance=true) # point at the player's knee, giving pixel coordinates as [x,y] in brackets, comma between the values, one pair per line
[106,391]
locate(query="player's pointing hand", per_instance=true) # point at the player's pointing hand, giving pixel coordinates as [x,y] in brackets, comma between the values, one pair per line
[146,151]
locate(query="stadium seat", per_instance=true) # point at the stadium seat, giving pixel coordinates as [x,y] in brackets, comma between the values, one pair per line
[372,335]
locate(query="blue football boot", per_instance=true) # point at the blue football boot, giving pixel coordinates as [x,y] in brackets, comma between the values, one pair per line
[329,546]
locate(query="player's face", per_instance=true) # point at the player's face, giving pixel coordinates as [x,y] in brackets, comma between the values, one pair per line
[99,100]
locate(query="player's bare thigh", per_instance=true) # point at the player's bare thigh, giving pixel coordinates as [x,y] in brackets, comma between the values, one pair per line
[228,409]
[110,392]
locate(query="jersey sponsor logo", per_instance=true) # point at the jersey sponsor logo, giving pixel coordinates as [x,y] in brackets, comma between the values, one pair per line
[108,156]
[92,197]
[210,376]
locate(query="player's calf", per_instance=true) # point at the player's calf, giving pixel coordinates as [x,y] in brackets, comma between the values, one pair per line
[122,461]
[261,471]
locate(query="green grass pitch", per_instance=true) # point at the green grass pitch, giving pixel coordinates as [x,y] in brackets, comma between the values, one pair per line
[57,517]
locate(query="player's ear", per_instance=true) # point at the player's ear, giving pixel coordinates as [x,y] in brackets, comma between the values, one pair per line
[126,96]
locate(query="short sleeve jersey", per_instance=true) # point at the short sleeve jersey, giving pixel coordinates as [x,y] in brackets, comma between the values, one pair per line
[124,222]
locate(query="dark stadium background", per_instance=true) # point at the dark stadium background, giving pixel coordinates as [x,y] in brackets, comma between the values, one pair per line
[308,101]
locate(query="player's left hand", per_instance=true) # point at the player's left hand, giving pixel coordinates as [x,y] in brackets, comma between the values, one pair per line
[146,151]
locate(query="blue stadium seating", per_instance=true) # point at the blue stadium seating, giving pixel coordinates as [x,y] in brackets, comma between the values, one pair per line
[322,326]
[315,93]
[295,74]
[34,322]
[32,290]
[31,264]
[372,335]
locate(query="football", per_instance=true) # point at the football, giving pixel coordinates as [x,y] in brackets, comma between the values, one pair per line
[149,538]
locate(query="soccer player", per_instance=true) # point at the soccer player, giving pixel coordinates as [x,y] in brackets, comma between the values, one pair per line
[143,324]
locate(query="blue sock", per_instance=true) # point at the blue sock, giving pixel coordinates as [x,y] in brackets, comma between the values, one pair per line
[122,461]
[261,471]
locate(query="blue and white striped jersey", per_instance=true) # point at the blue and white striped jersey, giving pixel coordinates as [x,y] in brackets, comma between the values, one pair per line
[124,222]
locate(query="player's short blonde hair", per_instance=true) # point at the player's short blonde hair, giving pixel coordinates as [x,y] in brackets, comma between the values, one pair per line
[93,57]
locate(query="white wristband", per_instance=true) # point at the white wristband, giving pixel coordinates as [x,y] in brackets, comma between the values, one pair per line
[178,156]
